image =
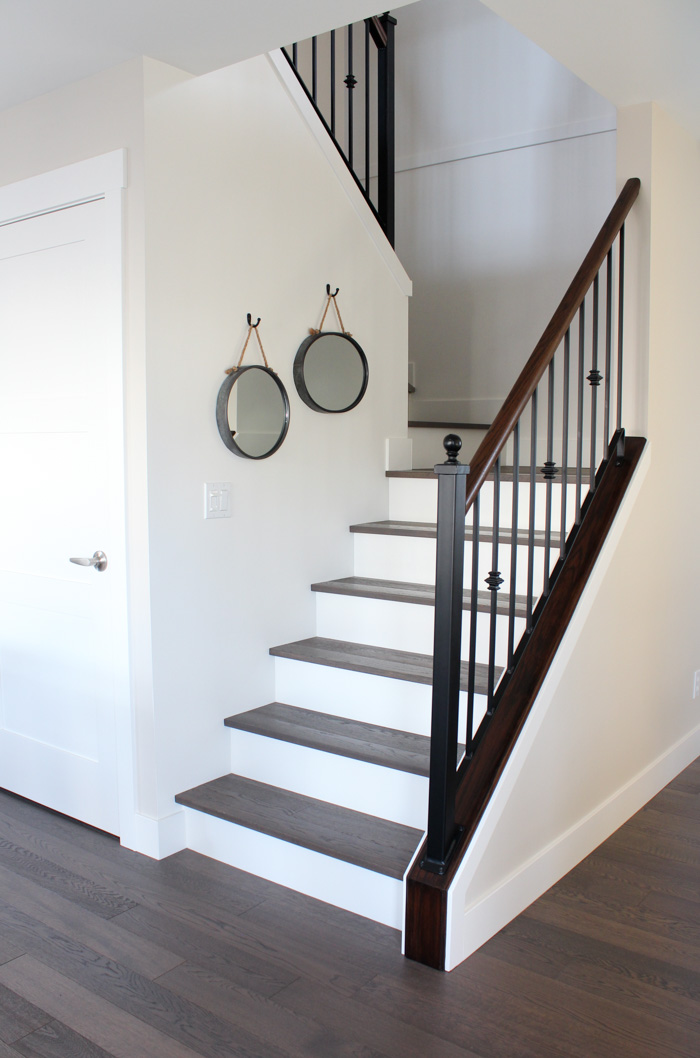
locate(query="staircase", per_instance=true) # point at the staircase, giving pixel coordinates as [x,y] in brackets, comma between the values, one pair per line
[329,788]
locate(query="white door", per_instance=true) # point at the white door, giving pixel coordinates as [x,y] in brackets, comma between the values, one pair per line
[61,495]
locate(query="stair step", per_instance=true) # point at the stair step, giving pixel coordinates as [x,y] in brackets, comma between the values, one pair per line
[390,527]
[423,594]
[378,661]
[366,841]
[385,746]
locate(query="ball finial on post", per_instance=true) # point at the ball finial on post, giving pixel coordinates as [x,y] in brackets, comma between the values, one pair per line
[452,444]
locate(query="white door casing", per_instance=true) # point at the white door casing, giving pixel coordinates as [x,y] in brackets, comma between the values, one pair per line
[64,682]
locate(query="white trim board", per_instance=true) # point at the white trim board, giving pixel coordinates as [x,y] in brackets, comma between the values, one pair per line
[500,144]
[61,188]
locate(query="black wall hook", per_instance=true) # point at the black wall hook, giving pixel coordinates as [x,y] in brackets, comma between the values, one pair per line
[250,321]
[328,290]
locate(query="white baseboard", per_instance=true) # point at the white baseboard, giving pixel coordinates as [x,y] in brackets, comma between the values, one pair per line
[156,838]
[484,918]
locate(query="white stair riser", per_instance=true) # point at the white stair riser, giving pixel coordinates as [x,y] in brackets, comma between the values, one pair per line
[343,884]
[404,626]
[412,559]
[415,499]
[354,784]
[359,696]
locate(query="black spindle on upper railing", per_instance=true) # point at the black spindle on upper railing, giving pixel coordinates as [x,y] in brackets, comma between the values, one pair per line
[543,561]
[331,65]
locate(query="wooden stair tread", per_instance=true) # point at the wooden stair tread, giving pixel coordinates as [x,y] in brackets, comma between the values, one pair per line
[448,427]
[377,661]
[390,527]
[384,746]
[422,594]
[368,841]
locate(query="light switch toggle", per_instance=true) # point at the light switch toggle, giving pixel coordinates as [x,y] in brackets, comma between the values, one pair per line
[217,499]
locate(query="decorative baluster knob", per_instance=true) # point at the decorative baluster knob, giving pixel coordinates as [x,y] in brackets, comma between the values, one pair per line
[452,444]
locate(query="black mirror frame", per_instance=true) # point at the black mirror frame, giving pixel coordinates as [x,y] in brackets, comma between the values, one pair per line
[299,372]
[222,410]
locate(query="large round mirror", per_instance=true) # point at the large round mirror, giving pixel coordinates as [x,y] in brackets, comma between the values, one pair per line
[330,372]
[252,412]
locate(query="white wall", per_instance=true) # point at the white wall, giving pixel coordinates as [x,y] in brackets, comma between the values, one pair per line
[506,169]
[232,207]
[244,214]
[616,719]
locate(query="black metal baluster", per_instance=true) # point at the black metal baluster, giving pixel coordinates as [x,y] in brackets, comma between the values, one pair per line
[447,644]
[514,543]
[531,527]
[579,416]
[549,473]
[295,54]
[367,101]
[620,316]
[350,82]
[594,377]
[314,68]
[608,351]
[473,616]
[565,442]
[333,83]
[494,582]
[386,163]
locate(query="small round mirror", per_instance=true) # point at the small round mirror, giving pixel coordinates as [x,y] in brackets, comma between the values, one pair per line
[252,412]
[330,372]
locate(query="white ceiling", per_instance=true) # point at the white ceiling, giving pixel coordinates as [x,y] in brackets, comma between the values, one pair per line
[631,51]
[48,43]
[628,50]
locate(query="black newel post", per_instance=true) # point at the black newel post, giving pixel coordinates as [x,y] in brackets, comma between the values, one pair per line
[449,571]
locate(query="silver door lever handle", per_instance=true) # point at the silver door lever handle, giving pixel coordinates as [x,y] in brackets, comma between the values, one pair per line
[98,560]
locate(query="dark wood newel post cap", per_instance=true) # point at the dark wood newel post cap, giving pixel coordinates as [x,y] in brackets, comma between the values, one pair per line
[452,444]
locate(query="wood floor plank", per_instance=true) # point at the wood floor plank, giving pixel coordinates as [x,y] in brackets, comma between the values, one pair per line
[353,1020]
[221,956]
[173,1016]
[18,1017]
[678,952]
[100,900]
[478,1024]
[594,1025]
[605,965]
[250,1011]
[102,935]
[106,1025]
[56,1040]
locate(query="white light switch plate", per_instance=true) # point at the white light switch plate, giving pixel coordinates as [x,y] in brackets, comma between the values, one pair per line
[217,499]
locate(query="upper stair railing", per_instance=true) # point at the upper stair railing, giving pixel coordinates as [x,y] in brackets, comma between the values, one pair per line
[348,74]
[559,419]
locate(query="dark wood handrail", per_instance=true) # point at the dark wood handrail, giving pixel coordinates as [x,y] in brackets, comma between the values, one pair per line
[529,378]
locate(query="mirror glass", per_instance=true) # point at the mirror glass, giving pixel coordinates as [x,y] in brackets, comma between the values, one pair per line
[330,372]
[252,412]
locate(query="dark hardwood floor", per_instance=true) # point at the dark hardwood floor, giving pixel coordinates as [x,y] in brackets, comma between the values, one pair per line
[107,953]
